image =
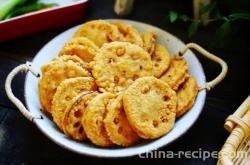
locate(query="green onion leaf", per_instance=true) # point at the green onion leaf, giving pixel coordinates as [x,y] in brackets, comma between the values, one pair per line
[6,6]
[28,8]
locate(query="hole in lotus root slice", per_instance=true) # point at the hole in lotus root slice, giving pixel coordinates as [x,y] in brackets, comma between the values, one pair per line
[68,98]
[164,119]
[120,129]
[165,98]
[109,37]
[78,113]
[155,123]
[158,59]
[156,64]
[116,121]
[116,79]
[145,89]
[111,60]
[77,124]
[81,130]
[135,77]
[120,51]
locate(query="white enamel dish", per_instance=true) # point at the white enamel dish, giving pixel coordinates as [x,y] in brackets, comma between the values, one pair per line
[51,49]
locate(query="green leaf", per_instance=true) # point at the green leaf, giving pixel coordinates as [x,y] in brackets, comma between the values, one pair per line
[235,16]
[192,29]
[173,16]
[184,18]
[223,30]
[207,9]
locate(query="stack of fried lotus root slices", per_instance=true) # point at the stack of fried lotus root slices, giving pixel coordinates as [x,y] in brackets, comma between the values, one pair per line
[114,86]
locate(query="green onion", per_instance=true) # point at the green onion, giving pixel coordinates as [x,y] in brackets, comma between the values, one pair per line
[28,8]
[6,6]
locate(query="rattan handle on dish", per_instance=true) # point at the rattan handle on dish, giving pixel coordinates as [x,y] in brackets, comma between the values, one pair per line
[220,77]
[21,68]
[239,113]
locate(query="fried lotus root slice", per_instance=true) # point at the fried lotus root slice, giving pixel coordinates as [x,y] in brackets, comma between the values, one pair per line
[66,91]
[149,41]
[161,60]
[93,120]
[186,95]
[117,126]
[71,59]
[80,46]
[99,32]
[72,118]
[150,106]
[128,33]
[176,73]
[52,75]
[119,64]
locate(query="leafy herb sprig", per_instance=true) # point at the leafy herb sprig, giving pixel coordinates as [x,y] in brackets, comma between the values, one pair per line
[12,8]
[226,21]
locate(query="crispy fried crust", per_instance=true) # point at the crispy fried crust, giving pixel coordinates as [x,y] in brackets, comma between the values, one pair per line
[72,118]
[161,60]
[150,106]
[52,75]
[93,120]
[99,32]
[82,47]
[120,63]
[66,91]
[176,73]
[117,126]
[186,96]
